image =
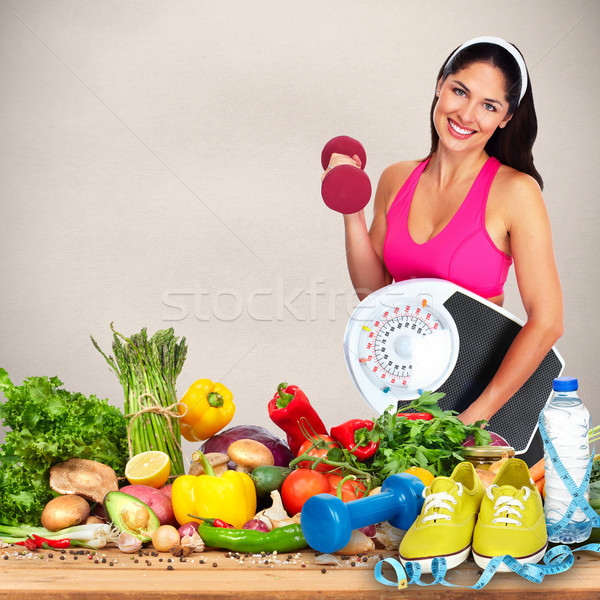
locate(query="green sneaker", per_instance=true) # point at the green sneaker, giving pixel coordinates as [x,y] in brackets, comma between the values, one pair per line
[445,526]
[511,518]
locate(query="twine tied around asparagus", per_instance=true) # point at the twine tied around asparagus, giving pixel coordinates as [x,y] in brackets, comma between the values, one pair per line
[168,412]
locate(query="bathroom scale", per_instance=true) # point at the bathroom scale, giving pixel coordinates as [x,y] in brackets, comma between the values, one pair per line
[432,335]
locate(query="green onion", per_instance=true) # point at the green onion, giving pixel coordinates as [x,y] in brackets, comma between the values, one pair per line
[146,365]
[93,535]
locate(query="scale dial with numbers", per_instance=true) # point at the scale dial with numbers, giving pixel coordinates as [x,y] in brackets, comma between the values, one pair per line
[401,341]
[432,335]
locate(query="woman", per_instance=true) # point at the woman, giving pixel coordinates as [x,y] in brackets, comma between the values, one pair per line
[471,209]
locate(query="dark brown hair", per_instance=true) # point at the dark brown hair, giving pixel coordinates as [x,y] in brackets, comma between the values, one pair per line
[511,145]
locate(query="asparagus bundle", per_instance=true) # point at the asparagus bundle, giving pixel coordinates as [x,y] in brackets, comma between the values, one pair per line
[150,366]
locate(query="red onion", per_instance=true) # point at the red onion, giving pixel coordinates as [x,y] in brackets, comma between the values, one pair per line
[188,529]
[256,524]
[497,440]
[369,530]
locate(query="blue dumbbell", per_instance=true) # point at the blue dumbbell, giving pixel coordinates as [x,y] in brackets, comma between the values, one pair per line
[327,522]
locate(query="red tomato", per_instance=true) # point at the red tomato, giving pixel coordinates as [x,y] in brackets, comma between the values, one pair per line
[324,444]
[351,489]
[299,486]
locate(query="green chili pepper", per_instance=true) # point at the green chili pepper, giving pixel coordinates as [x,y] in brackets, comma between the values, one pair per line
[282,539]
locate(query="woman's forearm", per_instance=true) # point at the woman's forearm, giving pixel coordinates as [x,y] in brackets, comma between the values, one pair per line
[524,356]
[366,269]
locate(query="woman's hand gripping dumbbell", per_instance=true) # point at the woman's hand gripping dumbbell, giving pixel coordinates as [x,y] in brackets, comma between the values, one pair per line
[345,187]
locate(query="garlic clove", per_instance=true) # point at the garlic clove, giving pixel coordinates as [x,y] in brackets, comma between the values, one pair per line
[128,543]
[358,543]
[193,542]
[276,512]
[389,536]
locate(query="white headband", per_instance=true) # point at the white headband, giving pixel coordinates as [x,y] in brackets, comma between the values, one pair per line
[503,44]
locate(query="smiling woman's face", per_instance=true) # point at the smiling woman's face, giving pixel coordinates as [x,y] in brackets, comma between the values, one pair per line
[471,105]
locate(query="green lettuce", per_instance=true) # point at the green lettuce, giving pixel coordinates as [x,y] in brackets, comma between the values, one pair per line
[48,425]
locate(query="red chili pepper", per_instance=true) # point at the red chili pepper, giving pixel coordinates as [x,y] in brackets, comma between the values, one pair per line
[416,416]
[214,522]
[29,544]
[356,443]
[62,543]
[287,407]
[221,523]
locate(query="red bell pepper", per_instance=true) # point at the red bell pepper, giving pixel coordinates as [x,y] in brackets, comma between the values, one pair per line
[288,408]
[347,434]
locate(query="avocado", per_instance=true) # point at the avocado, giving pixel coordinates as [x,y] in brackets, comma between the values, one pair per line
[131,515]
[267,479]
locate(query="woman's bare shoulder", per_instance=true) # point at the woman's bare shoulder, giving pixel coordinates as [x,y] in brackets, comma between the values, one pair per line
[516,185]
[518,197]
[400,170]
[394,176]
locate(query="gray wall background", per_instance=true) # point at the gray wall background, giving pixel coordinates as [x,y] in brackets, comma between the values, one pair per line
[160,167]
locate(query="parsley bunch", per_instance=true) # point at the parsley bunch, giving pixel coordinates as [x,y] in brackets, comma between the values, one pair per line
[50,425]
[435,445]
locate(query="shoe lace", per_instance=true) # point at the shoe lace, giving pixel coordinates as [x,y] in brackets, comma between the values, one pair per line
[438,501]
[508,505]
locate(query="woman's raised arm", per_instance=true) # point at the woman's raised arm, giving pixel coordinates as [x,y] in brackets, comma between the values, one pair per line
[364,248]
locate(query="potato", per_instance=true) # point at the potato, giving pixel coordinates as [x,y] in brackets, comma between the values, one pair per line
[166,489]
[65,511]
[160,503]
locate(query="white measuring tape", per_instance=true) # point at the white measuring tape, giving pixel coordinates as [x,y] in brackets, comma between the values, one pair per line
[557,560]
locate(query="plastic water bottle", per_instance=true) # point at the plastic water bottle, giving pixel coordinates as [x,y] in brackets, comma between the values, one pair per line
[567,422]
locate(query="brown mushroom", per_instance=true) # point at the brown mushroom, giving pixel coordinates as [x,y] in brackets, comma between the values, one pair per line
[217,460]
[248,454]
[87,478]
[65,511]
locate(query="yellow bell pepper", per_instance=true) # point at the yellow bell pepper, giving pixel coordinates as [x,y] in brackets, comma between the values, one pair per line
[230,497]
[206,408]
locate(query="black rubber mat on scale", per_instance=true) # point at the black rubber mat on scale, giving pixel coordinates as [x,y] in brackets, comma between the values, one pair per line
[485,336]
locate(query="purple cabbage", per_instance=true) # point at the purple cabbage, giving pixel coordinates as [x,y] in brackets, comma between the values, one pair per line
[221,441]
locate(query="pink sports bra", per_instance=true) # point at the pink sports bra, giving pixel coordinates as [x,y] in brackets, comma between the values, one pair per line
[462,252]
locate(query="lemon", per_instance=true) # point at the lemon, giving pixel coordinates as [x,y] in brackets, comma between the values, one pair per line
[423,474]
[150,468]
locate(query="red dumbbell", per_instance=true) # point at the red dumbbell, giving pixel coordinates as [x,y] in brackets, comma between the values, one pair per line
[345,188]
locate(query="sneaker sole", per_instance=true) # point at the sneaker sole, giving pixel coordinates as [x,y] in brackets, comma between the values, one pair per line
[452,560]
[483,561]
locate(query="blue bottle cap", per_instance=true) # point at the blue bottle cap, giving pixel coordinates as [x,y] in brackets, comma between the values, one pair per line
[565,384]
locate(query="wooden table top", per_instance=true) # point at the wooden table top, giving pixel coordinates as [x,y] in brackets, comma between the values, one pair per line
[110,574]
